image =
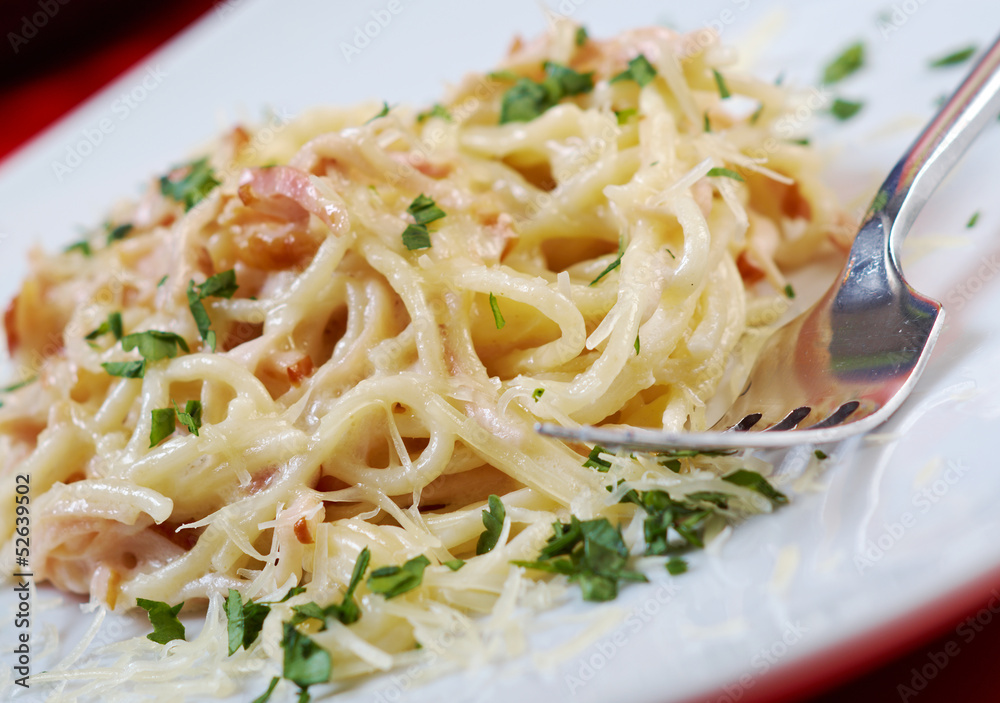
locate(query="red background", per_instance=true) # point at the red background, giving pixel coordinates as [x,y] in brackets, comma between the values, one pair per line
[85,45]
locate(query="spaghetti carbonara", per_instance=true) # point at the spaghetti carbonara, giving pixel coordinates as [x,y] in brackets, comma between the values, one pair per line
[307,359]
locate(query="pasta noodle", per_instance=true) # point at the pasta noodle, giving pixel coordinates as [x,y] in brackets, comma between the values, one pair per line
[412,292]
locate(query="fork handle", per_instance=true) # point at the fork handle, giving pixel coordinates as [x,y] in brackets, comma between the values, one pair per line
[935,152]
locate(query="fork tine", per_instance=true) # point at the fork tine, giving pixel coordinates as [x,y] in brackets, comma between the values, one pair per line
[838,415]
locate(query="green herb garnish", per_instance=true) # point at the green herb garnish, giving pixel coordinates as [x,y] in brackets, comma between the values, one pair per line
[438,110]
[164,422]
[392,581]
[722,172]
[166,626]
[820,454]
[789,291]
[424,211]
[119,232]
[639,70]
[755,482]
[305,663]
[676,565]
[455,564]
[193,187]
[581,36]
[113,325]
[266,695]
[593,555]
[972,220]
[623,116]
[594,460]
[497,315]
[154,345]
[849,61]
[493,522]
[83,246]
[125,369]
[381,113]
[526,99]
[720,83]
[221,285]
[191,416]
[20,384]
[244,621]
[845,109]
[614,264]
[537,394]
[954,58]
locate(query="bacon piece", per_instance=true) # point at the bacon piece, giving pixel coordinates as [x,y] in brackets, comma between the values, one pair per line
[10,326]
[302,368]
[289,194]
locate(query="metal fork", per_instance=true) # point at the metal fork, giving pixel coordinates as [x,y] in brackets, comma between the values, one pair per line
[848,362]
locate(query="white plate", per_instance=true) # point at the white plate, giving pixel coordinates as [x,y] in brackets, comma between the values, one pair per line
[908,520]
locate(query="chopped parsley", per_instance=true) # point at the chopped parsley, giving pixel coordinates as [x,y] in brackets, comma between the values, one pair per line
[954,58]
[526,99]
[720,172]
[166,626]
[581,36]
[972,220]
[820,454]
[720,83]
[113,325]
[304,663]
[162,280]
[593,555]
[537,394]
[755,482]
[676,566]
[266,695]
[347,611]
[424,211]
[849,61]
[20,384]
[493,522]
[119,232]
[636,345]
[756,114]
[381,113]
[154,345]
[83,246]
[164,422]
[244,621]
[126,369]
[708,124]
[191,416]
[221,285]
[193,187]
[845,109]
[639,70]
[497,315]
[594,460]
[623,116]
[438,110]
[416,237]
[455,564]
[789,291]
[614,264]
[392,581]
